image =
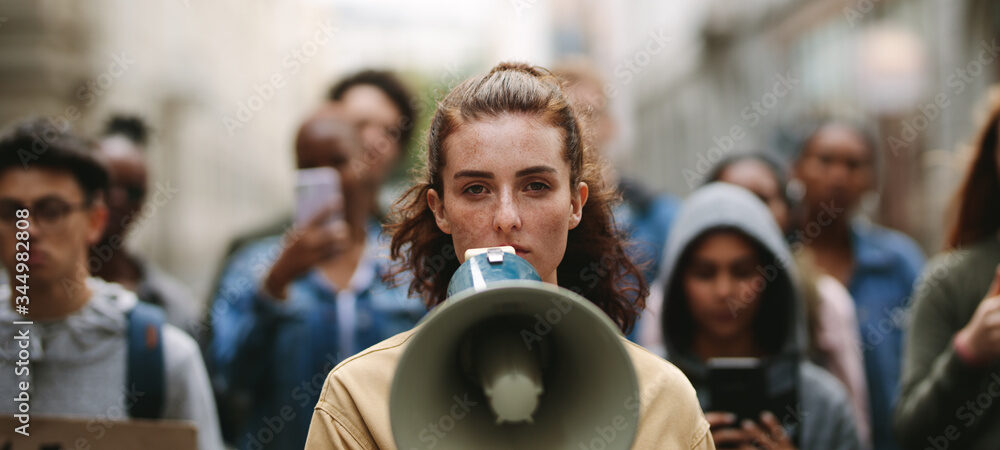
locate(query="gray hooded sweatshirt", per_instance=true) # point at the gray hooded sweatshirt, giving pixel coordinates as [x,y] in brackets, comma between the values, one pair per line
[77,367]
[823,419]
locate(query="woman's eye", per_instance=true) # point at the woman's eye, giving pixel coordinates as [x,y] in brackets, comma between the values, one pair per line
[537,186]
[703,273]
[743,272]
[476,189]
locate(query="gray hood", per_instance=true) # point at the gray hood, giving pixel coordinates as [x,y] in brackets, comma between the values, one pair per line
[724,206]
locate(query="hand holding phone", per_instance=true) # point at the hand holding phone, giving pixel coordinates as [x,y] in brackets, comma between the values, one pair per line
[317,190]
[320,230]
[743,404]
[765,433]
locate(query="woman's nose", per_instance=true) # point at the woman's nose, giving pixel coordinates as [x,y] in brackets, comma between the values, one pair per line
[725,287]
[507,218]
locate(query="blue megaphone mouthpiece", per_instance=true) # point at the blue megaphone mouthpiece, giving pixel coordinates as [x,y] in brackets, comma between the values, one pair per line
[483,266]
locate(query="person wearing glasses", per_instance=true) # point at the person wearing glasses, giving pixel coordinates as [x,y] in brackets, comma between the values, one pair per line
[79,342]
[122,149]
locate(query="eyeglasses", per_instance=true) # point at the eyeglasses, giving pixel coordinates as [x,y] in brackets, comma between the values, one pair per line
[46,212]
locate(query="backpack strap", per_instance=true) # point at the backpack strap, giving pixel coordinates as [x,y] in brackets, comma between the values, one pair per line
[145,377]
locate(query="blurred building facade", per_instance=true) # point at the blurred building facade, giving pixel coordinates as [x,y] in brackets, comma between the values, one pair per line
[919,69]
[221,84]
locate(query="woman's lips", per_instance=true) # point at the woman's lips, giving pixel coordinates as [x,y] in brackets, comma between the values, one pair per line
[520,250]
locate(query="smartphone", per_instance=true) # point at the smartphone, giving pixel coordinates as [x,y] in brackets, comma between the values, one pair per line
[315,190]
[737,386]
[746,387]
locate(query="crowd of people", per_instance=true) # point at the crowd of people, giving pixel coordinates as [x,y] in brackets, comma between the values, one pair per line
[859,343]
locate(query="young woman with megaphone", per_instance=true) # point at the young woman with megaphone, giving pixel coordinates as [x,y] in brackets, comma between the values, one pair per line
[506,166]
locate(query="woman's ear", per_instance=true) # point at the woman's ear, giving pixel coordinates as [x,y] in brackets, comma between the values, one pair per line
[436,205]
[577,200]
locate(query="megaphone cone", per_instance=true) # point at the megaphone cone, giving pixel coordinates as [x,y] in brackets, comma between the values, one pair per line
[513,363]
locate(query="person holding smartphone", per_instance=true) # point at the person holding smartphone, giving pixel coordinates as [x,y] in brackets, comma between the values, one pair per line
[734,323]
[834,339]
[506,165]
[290,307]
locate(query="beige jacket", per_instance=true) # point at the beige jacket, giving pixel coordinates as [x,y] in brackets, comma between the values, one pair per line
[353,409]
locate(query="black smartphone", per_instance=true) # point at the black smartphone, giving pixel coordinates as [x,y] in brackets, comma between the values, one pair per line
[746,387]
[737,386]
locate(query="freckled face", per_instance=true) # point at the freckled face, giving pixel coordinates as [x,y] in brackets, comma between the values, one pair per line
[506,182]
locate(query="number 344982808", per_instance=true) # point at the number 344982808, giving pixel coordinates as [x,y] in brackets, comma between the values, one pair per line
[21,257]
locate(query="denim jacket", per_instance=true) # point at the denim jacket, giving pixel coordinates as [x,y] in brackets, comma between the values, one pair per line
[886,266]
[270,358]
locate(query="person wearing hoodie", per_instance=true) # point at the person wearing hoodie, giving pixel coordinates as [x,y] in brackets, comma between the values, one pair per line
[76,360]
[727,289]
[834,339]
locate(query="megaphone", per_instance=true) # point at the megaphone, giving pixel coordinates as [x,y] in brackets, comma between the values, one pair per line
[508,361]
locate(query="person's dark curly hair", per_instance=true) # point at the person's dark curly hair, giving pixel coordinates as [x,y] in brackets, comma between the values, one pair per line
[42,144]
[393,88]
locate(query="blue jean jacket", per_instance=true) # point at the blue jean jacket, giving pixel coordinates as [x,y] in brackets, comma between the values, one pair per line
[886,266]
[270,358]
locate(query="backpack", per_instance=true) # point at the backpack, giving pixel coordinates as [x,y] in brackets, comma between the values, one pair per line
[145,378]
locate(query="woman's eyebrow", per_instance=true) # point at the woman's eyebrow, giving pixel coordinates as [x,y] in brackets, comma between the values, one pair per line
[534,171]
[748,259]
[473,174]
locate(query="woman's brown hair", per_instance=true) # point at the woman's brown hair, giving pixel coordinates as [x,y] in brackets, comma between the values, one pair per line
[595,264]
[977,204]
